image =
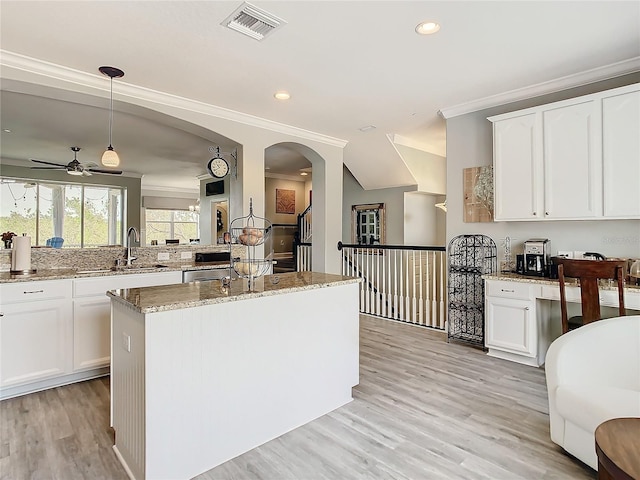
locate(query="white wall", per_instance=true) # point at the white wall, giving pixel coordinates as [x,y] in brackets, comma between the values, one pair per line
[423,222]
[429,169]
[469,144]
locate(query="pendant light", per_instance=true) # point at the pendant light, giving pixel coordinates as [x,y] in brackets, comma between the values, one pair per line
[110,156]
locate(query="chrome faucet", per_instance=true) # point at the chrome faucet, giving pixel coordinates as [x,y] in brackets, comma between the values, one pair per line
[136,238]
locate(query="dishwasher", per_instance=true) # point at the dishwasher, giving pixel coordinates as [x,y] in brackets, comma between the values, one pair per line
[213,266]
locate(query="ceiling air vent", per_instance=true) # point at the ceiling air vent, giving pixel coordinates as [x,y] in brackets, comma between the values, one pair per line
[252,21]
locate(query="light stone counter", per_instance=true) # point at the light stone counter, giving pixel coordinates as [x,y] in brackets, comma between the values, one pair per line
[516,277]
[64,273]
[194,294]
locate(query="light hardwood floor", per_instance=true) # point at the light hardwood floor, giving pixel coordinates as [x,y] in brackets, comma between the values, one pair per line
[424,409]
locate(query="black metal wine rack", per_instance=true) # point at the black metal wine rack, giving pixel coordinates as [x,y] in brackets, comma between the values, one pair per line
[469,257]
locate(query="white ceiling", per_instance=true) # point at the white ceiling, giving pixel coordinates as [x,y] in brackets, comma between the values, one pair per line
[347,64]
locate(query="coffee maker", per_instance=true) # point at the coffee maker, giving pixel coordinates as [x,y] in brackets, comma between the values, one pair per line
[536,257]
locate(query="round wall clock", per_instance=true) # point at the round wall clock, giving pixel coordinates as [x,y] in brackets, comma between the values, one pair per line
[218,167]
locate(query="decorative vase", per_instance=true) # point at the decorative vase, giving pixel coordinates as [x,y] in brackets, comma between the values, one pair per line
[7,243]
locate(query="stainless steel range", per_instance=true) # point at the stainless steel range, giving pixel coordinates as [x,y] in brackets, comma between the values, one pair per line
[209,266]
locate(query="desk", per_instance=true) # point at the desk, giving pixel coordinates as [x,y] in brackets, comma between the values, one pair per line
[618,449]
[518,318]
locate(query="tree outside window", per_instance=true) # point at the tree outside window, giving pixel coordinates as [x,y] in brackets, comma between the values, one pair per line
[165,225]
[83,215]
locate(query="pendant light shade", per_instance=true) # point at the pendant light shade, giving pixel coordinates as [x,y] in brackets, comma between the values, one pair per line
[110,157]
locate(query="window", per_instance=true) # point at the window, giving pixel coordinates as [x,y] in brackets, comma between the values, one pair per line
[83,215]
[367,224]
[165,225]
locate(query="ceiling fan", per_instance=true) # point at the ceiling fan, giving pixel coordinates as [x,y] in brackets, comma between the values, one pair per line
[74,167]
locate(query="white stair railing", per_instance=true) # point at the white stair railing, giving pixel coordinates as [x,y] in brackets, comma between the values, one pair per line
[404,283]
[304,225]
[303,257]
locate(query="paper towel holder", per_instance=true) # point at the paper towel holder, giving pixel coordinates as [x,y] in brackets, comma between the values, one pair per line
[14,271]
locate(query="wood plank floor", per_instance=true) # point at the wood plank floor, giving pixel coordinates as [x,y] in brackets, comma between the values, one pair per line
[424,409]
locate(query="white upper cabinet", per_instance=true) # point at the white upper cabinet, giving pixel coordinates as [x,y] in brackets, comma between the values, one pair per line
[571,160]
[621,155]
[517,161]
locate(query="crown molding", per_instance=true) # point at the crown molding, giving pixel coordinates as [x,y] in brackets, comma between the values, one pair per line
[624,67]
[77,77]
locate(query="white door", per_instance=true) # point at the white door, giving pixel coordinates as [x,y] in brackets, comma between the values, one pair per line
[517,159]
[33,341]
[572,162]
[91,332]
[511,326]
[621,155]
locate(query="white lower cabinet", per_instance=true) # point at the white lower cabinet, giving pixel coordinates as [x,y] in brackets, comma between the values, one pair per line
[33,341]
[91,332]
[511,325]
[56,332]
[35,334]
[515,329]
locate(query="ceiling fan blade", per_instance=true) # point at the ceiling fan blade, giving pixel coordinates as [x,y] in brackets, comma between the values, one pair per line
[97,170]
[48,163]
[60,167]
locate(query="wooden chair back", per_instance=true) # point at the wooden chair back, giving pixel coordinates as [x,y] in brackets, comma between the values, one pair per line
[589,272]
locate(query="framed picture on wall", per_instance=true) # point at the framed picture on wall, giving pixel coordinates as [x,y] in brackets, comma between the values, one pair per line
[285,201]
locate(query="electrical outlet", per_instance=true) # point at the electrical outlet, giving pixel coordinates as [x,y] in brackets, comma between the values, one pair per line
[126,341]
[163,256]
[185,255]
[565,253]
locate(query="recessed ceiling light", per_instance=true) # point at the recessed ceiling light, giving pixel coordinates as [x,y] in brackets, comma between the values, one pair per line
[366,128]
[6,130]
[304,174]
[267,168]
[427,28]
[282,95]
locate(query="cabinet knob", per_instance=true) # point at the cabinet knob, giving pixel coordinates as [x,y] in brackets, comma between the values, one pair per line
[546,213]
[534,214]
[526,308]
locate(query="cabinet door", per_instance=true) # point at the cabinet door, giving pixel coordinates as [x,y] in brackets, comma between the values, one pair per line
[572,161]
[621,155]
[517,160]
[511,325]
[91,332]
[33,341]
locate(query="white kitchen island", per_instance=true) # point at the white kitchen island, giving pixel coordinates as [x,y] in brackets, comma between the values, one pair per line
[201,374]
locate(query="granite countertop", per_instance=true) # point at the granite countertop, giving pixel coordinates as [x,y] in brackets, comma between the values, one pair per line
[194,294]
[64,273]
[516,277]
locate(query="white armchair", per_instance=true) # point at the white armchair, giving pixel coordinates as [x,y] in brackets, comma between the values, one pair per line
[593,375]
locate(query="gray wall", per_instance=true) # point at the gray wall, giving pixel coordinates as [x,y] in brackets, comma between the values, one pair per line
[469,144]
[131,184]
[393,198]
